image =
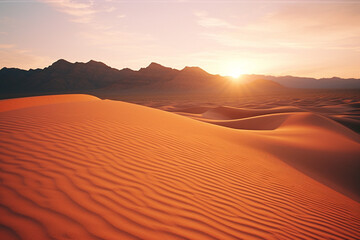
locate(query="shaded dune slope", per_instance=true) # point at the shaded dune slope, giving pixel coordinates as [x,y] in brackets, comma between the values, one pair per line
[323,149]
[318,146]
[114,170]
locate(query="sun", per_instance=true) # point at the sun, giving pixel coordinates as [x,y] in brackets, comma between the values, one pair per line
[232,69]
[235,73]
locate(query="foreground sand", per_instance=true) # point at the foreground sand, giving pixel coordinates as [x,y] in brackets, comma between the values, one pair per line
[101,169]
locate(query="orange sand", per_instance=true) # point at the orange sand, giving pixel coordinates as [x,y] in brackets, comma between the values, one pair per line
[101,169]
[16,103]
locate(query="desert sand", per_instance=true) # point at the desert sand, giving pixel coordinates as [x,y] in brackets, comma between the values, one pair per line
[77,167]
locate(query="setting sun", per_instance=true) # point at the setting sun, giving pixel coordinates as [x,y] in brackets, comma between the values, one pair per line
[236,73]
[233,69]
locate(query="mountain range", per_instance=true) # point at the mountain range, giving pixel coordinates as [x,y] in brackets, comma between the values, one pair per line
[309,83]
[63,76]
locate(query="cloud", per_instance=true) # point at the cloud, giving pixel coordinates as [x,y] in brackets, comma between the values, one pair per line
[84,11]
[12,56]
[292,26]
[6,46]
[295,38]
[111,39]
[110,9]
[210,22]
[102,30]
[81,12]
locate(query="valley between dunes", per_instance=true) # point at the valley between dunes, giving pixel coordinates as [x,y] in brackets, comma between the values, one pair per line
[77,167]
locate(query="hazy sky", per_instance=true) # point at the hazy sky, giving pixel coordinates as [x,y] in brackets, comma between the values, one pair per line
[303,38]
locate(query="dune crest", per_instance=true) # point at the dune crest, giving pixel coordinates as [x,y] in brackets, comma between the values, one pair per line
[263,122]
[227,113]
[18,103]
[114,170]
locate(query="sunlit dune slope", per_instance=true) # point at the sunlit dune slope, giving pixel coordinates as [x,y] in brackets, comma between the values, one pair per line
[114,170]
[17,103]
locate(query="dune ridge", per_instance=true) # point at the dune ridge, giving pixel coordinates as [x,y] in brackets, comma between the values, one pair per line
[114,170]
[18,103]
[225,113]
[267,122]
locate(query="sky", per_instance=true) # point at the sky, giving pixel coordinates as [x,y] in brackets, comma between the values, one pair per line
[226,37]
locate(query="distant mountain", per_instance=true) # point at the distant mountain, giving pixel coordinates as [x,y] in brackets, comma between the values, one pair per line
[192,78]
[264,85]
[158,72]
[63,76]
[309,83]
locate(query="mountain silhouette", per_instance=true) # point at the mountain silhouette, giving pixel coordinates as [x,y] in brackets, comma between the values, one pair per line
[63,77]
[155,73]
[263,84]
[308,83]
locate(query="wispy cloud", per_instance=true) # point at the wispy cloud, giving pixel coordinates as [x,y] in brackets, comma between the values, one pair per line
[301,26]
[110,9]
[81,12]
[115,40]
[6,46]
[98,31]
[13,56]
[206,21]
[291,38]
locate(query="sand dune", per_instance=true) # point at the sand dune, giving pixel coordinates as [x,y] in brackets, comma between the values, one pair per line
[301,139]
[266,122]
[323,149]
[17,103]
[115,170]
[237,113]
